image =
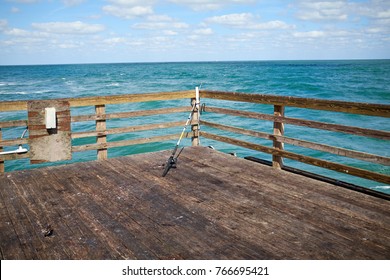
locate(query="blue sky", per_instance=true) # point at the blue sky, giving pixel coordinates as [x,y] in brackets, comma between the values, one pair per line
[87,31]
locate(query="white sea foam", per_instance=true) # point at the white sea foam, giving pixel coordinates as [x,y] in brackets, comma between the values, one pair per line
[7,84]
[12,93]
[382,187]
[42,91]
[113,85]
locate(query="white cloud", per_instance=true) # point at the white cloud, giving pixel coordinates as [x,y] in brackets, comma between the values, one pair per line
[131,2]
[75,27]
[73,2]
[203,31]
[323,10]
[204,5]
[238,20]
[128,12]
[17,32]
[170,33]
[3,24]
[160,22]
[247,21]
[115,40]
[129,9]
[309,34]
[24,1]
[15,10]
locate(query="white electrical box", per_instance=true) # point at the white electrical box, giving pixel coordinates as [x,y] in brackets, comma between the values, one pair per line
[50,118]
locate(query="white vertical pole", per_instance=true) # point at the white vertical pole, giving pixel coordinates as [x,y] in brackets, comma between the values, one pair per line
[196,117]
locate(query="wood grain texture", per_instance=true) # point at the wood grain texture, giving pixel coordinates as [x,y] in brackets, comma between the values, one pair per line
[381,110]
[48,145]
[379,177]
[380,134]
[212,206]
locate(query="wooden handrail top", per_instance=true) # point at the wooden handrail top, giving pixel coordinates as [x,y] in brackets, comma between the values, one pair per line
[131,114]
[6,106]
[380,134]
[371,109]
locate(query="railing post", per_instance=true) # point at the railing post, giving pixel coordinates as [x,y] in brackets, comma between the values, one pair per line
[195,119]
[277,161]
[1,149]
[100,127]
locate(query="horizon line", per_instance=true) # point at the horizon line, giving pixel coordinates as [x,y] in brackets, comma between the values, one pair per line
[194,61]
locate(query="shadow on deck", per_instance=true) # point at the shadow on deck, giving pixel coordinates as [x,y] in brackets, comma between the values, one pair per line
[213,206]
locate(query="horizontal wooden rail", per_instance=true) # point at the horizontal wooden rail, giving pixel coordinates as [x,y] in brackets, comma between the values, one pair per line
[13,123]
[306,123]
[381,110]
[94,117]
[305,159]
[124,143]
[278,118]
[302,143]
[14,156]
[14,142]
[127,129]
[100,117]
[7,106]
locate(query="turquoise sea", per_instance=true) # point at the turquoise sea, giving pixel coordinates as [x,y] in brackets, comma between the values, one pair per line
[349,80]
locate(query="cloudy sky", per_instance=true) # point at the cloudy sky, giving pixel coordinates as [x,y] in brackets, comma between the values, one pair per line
[92,31]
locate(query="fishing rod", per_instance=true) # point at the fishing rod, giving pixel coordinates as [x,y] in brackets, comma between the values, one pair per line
[171,163]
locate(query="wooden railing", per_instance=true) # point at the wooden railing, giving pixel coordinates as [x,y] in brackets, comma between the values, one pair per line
[100,118]
[279,119]
[277,137]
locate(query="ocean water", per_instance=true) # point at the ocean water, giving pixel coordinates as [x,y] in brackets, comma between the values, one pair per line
[350,80]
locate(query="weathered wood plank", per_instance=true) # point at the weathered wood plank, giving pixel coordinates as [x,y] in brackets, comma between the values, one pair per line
[13,142]
[6,106]
[306,159]
[13,123]
[212,206]
[131,210]
[12,248]
[277,161]
[204,228]
[101,126]
[314,197]
[132,114]
[381,110]
[303,143]
[130,98]
[107,145]
[14,156]
[380,134]
[48,145]
[225,180]
[126,129]
[1,149]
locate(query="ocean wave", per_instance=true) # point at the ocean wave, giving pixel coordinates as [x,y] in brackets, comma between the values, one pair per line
[381,188]
[42,91]
[113,85]
[13,92]
[2,84]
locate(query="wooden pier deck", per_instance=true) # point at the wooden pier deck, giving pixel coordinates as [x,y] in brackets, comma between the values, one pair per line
[213,206]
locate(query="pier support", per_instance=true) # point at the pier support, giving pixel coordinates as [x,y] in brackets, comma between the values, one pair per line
[195,126]
[277,161]
[100,110]
[195,119]
[1,149]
